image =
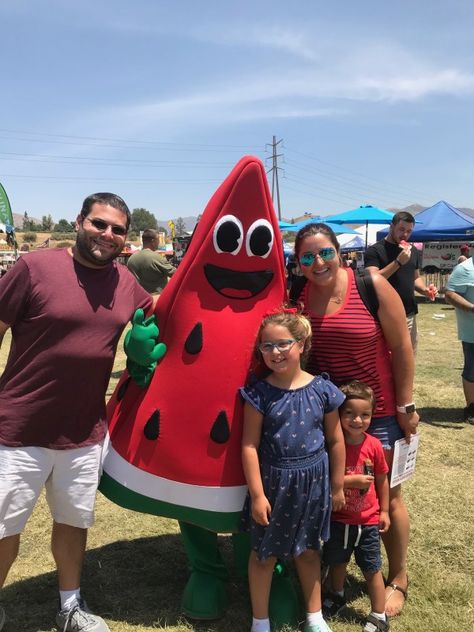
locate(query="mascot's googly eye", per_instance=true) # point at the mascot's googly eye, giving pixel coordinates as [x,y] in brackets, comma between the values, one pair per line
[259,239]
[228,235]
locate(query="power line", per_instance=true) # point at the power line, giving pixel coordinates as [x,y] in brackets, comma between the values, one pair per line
[58,159]
[140,143]
[106,178]
[358,174]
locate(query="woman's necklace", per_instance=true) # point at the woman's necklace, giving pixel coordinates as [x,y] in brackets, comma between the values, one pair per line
[337,298]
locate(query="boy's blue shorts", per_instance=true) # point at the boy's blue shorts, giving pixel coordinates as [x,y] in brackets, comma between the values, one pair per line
[363,541]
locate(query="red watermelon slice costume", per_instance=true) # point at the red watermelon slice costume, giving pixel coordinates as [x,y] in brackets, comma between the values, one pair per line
[175,447]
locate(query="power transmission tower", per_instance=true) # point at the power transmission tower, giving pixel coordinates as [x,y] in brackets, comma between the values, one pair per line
[274,169]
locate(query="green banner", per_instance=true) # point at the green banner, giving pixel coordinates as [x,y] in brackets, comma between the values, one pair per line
[6,217]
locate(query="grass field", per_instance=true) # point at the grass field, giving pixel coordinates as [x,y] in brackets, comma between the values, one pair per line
[136,568]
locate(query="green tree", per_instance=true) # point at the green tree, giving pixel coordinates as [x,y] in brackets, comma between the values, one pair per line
[28,224]
[63,226]
[179,226]
[47,223]
[142,219]
[162,229]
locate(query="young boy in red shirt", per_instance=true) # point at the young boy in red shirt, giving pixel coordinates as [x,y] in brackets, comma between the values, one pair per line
[357,527]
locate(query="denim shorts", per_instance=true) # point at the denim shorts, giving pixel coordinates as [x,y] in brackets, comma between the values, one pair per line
[468,370]
[363,541]
[386,430]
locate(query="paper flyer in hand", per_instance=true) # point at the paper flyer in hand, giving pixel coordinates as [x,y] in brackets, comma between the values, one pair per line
[404,460]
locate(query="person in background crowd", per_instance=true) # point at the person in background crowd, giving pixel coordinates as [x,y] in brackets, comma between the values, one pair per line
[464,253]
[460,294]
[151,269]
[67,308]
[399,262]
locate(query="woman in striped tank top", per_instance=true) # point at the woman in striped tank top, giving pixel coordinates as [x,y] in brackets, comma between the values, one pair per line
[350,343]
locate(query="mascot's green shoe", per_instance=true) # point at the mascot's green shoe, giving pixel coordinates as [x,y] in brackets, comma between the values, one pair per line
[284,607]
[204,597]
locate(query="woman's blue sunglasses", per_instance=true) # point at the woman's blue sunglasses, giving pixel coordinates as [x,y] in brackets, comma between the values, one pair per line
[308,258]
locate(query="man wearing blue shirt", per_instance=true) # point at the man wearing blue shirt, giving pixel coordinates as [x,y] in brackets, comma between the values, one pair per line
[460,294]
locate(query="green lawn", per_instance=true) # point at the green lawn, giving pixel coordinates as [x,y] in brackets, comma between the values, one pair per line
[136,567]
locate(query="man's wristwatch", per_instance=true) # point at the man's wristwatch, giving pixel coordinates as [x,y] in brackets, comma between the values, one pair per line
[407,408]
[397,261]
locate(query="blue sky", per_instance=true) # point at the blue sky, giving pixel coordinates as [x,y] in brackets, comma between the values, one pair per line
[156,100]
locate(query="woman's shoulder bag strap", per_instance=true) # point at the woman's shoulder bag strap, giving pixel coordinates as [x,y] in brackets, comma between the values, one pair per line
[365,287]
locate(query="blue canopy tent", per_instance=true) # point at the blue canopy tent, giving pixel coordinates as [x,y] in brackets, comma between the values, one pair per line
[337,228]
[284,225]
[365,214]
[440,222]
[351,243]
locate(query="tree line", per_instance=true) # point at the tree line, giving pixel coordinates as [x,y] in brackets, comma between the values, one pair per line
[141,220]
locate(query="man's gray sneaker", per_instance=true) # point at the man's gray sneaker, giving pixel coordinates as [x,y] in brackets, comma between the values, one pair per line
[80,619]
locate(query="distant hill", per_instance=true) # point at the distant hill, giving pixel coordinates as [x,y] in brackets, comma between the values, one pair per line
[18,220]
[189,222]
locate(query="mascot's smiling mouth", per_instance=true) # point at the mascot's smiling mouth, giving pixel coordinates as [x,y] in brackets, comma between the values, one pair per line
[236,284]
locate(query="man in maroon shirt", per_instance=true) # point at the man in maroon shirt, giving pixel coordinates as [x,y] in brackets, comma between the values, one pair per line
[67,309]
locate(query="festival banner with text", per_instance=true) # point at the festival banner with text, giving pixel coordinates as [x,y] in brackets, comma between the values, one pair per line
[6,217]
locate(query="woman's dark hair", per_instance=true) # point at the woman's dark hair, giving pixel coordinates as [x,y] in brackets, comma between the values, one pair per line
[315,229]
[106,198]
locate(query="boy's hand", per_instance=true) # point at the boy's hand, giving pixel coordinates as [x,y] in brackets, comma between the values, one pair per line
[359,481]
[384,522]
[338,500]
[261,510]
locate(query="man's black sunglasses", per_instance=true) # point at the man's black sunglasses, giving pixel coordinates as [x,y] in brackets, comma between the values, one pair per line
[102,226]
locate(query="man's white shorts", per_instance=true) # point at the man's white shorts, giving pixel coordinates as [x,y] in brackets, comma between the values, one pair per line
[70,477]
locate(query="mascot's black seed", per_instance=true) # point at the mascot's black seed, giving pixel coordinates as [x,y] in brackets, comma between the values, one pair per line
[220,432]
[123,389]
[193,342]
[152,426]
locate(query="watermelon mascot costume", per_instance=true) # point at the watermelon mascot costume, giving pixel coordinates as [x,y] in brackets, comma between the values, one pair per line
[174,447]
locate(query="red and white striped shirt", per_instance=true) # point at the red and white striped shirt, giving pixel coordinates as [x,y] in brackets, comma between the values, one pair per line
[349,345]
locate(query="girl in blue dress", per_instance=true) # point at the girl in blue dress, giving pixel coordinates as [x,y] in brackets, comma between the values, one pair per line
[293,458]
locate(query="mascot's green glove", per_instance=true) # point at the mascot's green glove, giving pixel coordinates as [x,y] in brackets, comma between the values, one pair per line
[142,349]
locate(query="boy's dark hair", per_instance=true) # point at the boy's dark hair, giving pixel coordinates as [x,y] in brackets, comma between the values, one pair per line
[357,390]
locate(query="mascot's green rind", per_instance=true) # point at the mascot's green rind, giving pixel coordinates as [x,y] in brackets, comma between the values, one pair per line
[212,520]
[174,447]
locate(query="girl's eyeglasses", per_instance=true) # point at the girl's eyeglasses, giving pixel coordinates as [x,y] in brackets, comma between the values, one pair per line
[308,258]
[102,226]
[283,346]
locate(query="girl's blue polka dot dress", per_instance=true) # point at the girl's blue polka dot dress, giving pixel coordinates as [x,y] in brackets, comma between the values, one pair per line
[293,465]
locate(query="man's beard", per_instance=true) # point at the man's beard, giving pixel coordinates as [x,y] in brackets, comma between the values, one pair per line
[84,251]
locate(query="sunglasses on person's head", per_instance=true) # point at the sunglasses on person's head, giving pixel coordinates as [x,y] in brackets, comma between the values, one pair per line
[102,226]
[308,258]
